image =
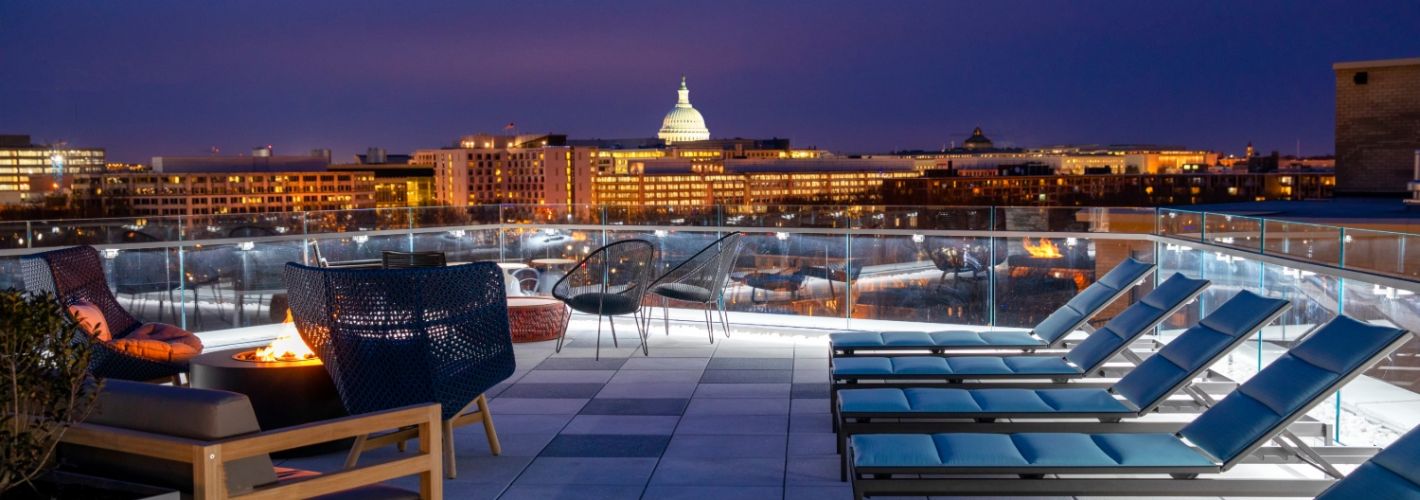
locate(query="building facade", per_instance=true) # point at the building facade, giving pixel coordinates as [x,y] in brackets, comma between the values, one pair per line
[1108,190]
[750,181]
[216,193]
[1377,125]
[683,123]
[30,172]
[397,184]
[522,169]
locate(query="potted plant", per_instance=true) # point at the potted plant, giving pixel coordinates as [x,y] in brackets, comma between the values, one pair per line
[45,387]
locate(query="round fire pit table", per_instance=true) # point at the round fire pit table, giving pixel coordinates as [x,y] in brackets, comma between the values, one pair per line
[283,393]
[535,319]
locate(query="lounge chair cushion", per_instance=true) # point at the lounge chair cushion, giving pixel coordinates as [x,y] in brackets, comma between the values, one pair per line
[1392,473]
[954,365]
[603,303]
[154,350]
[1134,321]
[966,402]
[1014,451]
[200,414]
[91,319]
[927,340]
[682,291]
[1287,385]
[1197,347]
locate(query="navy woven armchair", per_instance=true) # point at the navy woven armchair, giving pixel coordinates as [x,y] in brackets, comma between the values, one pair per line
[75,275]
[610,281]
[701,280]
[397,337]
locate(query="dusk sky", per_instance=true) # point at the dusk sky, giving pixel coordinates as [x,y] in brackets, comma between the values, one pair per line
[151,78]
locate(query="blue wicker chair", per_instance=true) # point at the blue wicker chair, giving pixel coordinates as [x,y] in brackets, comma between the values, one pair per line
[396,337]
[76,274]
[701,280]
[610,281]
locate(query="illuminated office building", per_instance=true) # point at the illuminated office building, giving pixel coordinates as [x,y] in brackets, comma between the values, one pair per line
[215,193]
[396,184]
[940,188]
[750,181]
[522,169]
[30,172]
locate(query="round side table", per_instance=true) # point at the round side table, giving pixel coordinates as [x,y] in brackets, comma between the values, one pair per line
[535,319]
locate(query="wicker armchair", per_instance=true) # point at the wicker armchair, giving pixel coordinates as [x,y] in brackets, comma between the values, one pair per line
[76,274]
[701,279]
[610,281]
[397,337]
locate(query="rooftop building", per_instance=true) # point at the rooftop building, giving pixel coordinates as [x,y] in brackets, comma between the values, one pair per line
[1377,125]
[31,172]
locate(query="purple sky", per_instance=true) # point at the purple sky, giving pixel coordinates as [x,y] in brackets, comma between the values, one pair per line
[177,78]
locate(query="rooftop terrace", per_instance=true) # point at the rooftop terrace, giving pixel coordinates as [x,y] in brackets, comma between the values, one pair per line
[748,416]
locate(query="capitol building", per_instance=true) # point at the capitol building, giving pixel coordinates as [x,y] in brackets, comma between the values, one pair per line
[683,123]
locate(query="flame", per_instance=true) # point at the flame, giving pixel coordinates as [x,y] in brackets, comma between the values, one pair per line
[1046,249]
[287,347]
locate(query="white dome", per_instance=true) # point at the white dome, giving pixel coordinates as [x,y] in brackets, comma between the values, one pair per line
[683,122]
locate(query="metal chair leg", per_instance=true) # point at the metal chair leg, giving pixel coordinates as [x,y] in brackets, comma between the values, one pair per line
[612,320]
[645,335]
[599,337]
[724,322]
[566,320]
[666,313]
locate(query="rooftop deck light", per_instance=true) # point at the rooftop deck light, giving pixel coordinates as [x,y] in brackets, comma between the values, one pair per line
[360,238]
[110,253]
[458,233]
[781,236]
[246,245]
[661,233]
[917,238]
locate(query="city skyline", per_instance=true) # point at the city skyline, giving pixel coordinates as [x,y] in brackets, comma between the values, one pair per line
[174,79]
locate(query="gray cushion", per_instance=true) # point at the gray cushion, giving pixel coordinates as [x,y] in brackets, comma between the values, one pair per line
[682,291]
[199,414]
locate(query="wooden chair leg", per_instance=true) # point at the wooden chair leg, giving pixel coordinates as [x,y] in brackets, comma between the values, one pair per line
[450,468]
[355,451]
[493,444]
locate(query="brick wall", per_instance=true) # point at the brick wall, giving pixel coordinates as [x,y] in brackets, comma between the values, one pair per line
[1377,128]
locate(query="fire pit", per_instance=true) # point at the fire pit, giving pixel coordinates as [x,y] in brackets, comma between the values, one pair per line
[286,383]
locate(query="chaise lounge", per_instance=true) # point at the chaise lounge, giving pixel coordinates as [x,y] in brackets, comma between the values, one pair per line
[1115,463]
[1050,333]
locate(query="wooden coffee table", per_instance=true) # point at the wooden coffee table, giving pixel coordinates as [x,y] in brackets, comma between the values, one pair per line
[535,319]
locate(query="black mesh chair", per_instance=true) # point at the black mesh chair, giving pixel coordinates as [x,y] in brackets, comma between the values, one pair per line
[390,259]
[701,279]
[76,274]
[609,282]
[397,337]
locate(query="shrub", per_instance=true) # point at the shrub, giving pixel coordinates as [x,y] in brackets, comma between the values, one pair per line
[45,385]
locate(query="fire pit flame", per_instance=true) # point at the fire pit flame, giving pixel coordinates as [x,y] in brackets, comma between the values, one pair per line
[287,347]
[1046,249]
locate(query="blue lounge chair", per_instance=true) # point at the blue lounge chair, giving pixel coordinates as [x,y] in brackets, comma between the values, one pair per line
[1080,361]
[1139,393]
[1104,463]
[1392,473]
[1049,333]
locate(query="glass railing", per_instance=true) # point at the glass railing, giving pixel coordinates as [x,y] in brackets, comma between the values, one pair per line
[825,267]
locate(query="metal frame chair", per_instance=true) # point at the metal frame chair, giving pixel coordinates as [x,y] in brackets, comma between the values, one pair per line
[700,279]
[611,281]
[77,273]
[395,337]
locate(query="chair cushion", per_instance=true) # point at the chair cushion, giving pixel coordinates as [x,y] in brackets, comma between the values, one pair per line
[91,319]
[682,291]
[774,281]
[200,414]
[1392,473]
[1014,451]
[978,401]
[166,333]
[1287,386]
[954,365]
[603,303]
[154,350]
[928,340]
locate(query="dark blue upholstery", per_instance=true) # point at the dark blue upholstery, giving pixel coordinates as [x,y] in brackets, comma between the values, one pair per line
[1101,345]
[77,274]
[1144,386]
[1016,451]
[1288,386]
[1104,343]
[1393,474]
[1197,348]
[396,337]
[1048,332]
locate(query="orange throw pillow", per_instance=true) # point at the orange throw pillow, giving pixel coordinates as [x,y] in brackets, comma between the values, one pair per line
[91,319]
[155,350]
[166,333]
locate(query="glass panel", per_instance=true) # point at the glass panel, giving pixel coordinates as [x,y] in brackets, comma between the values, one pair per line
[920,282]
[1180,223]
[1299,240]
[1234,231]
[1396,254]
[1035,276]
